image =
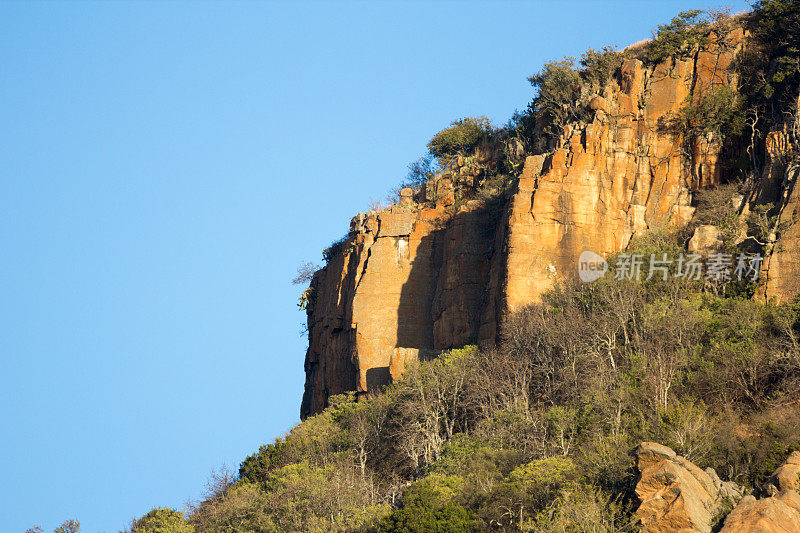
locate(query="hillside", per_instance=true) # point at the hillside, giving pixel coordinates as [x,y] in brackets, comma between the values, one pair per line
[471,368]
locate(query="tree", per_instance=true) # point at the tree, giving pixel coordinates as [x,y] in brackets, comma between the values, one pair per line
[162,520]
[68,526]
[428,505]
[677,38]
[461,136]
[598,66]
[558,87]
[305,272]
[429,404]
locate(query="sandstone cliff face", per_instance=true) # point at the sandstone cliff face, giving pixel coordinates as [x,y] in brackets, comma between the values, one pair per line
[777,185]
[411,282]
[423,277]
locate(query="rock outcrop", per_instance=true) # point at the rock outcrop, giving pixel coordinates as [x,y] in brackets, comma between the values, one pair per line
[425,276]
[675,494]
[435,271]
[778,513]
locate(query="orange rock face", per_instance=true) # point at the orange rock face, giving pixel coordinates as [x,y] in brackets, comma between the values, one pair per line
[415,280]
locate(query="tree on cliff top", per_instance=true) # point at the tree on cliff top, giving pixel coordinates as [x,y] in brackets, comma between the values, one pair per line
[462,135]
[558,85]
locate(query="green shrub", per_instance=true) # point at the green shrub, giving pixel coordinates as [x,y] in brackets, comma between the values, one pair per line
[334,249]
[716,112]
[598,66]
[558,87]
[584,509]
[428,506]
[462,135]
[255,468]
[239,507]
[677,38]
[162,520]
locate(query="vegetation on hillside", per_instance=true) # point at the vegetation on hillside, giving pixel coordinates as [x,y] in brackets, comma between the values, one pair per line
[535,434]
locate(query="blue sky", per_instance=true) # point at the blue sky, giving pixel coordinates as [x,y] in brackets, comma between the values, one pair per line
[165,167]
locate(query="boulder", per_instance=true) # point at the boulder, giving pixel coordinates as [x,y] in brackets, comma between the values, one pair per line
[787,476]
[676,495]
[705,241]
[778,513]
[406,196]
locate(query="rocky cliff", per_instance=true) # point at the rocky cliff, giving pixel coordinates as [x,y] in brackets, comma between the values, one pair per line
[433,272]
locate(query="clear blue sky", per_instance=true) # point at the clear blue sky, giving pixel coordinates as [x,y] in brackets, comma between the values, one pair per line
[164,168]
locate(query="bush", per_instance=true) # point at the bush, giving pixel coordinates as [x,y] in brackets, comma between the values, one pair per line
[715,207]
[334,249]
[558,87]
[428,505]
[239,507]
[586,508]
[162,520]
[677,38]
[462,135]
[598,66]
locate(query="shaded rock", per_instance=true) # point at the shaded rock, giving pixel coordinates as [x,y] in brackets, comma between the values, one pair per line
[705,241]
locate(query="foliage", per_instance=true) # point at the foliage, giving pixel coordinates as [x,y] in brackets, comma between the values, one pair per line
[678,37]
[334,249]
[558,87]
[586,508]
[419,172]
[770,65]
[241,506]
[305,272]
[462,135]
[717,207]
[714,116]
[717,112]
[68,526]
[599,66]
[428,505]
[161,520]
[536,434]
